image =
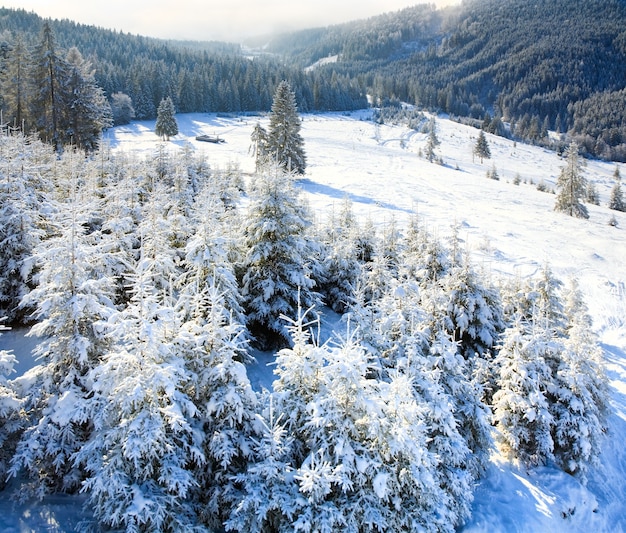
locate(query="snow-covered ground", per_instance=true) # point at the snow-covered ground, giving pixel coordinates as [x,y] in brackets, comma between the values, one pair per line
[509,230]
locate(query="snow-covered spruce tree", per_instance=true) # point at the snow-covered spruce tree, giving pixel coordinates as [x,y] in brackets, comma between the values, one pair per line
[579,397]
[572,185]
[340,263]
[24,200]
[259,148]
[145,450]
[396,331]
[166,125]
[277,255]
[424,259]
[267,494]
[616,202]
[212,347]
[359,448]
[521,409]
[90,109]
[481,149]
[285,145]
[71,303]
[11,415]
[206,261]
[432,141]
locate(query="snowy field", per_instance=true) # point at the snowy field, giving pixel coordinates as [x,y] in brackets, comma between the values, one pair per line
[510,230]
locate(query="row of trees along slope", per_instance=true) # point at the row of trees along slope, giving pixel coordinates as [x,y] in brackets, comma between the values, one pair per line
[542,66]
[198,77]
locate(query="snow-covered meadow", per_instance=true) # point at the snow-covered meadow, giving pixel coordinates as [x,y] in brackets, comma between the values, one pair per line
[509,230]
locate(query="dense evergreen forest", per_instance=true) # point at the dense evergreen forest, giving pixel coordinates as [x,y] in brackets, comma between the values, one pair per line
[557,65]
[539,66]
[200,77]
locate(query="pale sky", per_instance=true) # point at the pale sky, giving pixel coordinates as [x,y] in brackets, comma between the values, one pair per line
[206,20]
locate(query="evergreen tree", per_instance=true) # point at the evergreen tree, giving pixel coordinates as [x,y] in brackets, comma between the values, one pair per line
[24,192]
[521,409]
[166,125]
[50,74]
[359,451]
[284,142]
[122,109]
[259,146]
[432,141]
[481,148]
[89,111]
[341,265]
[16,86]
[213,347]
[11,417]
[277,253]
[572,186]
[145,453]
[616,201]
[71,305]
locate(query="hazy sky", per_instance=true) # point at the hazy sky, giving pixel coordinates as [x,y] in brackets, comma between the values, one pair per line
[211,19]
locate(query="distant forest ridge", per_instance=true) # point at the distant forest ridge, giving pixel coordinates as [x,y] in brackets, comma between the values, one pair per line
[557,65]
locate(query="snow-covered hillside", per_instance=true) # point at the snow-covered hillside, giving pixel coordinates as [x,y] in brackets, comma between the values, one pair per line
[510,230]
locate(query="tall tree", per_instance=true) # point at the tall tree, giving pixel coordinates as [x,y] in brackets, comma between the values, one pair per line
[71,304]
[285,144]
[572,186]
[16,86]
[276,266]
[89,112]
[166,125]
[50,74]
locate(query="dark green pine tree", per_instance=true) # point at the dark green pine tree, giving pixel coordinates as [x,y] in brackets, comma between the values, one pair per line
[89,111]
[166,125]
[482,147]
[50,72]
[15,85]
[285,144]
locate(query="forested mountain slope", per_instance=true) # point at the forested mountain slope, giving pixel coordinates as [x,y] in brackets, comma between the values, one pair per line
[204,77]
[542,65]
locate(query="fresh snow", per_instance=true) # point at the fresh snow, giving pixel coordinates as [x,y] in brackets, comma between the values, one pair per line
[509,230]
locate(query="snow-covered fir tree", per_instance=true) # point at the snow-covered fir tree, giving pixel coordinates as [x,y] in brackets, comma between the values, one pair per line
[616,202]
[571,185]
[580,402]
[71,305]
[213,347]
[24,202]
[359,450]
[278,250]
[340,263]
[521,410]
[259,148]
[166,125]
[552,400]
[285,145]
[144,451]
[481,148]
[11,415]
[432,141]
